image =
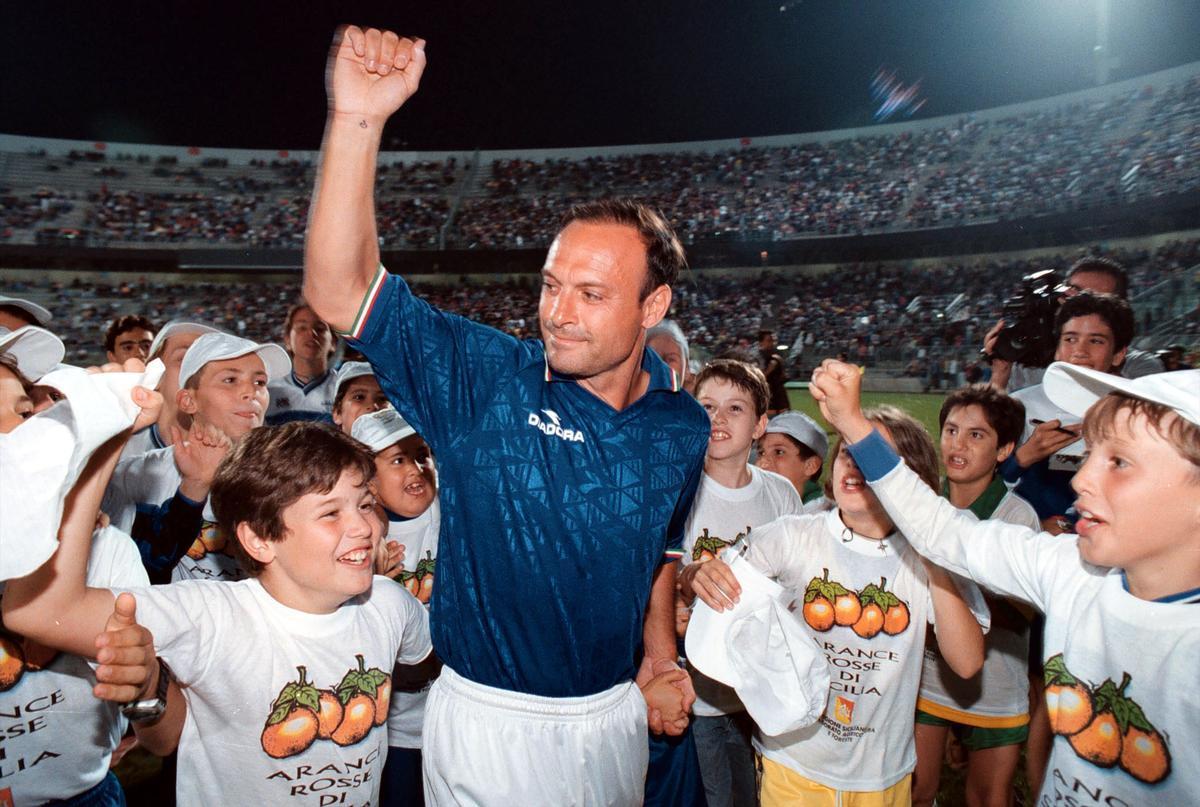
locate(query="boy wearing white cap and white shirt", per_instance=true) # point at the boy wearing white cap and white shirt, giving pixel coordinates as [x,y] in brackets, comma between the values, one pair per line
[170,344]
[405,486]
[358,392]
[1121,601]
[223,386]
[734,497]
[794,445]
[17,313]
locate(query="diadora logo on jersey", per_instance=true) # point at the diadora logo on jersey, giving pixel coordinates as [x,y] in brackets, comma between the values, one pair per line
[552,426]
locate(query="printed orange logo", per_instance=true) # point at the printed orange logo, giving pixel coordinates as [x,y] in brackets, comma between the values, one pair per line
[708,546]
[1103,725]
[419,581]
[843,710]
[6,798]
[828,603]
[211,539]
[303,714]
[18,656]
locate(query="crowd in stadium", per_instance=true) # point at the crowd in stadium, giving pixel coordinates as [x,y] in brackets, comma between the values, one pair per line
[1130,147]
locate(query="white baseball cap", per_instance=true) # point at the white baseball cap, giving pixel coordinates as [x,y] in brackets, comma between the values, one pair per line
[759,648]
[350,371]
[378,430]
[36,350]
[801,428]
[177,326]
[36,311]
[1075,389]
[219,346]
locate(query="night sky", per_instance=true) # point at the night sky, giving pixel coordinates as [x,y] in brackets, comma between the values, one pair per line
[541,74]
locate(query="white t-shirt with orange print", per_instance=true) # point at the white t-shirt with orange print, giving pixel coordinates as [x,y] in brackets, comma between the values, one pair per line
[284,707]
[867,614]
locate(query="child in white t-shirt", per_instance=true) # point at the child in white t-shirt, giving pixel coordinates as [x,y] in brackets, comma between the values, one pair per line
[287,674]
[56,738]
[866,598]
[405,486]
[989,713]
[1121,599]
[734,498]
[223,386]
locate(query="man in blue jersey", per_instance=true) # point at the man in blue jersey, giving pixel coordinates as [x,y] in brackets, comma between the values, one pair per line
[566,470]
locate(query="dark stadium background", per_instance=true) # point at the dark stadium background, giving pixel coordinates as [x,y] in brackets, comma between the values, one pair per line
[545,73]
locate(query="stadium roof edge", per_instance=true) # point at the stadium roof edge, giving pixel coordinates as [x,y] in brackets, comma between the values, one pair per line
[189,154]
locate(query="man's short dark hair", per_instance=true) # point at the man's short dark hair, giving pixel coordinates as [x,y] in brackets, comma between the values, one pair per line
[123,324]
[271,468]
[1104,266]
[764,333]
[742,375]
[1004,413]
[665,258]
[1112,309]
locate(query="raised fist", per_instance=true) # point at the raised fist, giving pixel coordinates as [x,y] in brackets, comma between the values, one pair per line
[371,73]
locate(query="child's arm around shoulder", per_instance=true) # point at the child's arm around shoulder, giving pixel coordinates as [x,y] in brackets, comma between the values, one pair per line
[54,605]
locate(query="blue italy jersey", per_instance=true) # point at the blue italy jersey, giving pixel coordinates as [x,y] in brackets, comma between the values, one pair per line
[556,508]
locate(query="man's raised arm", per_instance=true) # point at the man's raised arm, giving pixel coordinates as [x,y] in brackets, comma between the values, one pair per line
[370,74]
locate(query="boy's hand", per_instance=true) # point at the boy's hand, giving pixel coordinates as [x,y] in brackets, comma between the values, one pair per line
[371,73]
[665,698]
[150,401]
[197,456]
[128,668]
[836,388]
[1047,439]
[389,559]
[712,581]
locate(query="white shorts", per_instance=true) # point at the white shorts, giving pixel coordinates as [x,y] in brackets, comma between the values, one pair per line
[492,746]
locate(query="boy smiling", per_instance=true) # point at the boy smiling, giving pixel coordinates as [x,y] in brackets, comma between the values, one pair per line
[250,655]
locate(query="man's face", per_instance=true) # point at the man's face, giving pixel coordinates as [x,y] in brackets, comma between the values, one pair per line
[1099,282]
[405,482]
[668,350]
[231,395]
[13,318]
[15,404]
[132,344]
[1088,342]
[734,424]
[1137,499]
[970,449]
[767,342]
[590,309]
[309,337]
[327,554]
[363,395]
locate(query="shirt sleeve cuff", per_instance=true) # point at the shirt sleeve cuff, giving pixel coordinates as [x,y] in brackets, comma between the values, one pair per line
[189,502]
[874,456]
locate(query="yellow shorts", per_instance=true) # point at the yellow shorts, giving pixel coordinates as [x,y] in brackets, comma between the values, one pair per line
[783,786]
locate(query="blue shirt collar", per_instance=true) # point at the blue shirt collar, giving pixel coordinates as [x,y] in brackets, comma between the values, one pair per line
[662,377]
[311,385]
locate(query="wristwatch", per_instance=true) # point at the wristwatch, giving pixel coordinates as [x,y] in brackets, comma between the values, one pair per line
[152,709]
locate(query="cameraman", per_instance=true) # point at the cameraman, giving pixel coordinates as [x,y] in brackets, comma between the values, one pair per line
[1100,275]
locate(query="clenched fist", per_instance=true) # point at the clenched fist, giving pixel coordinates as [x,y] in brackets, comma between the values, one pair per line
[371,73]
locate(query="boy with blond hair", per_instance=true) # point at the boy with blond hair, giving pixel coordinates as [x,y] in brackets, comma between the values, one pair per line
[1122,628]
